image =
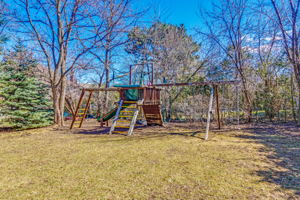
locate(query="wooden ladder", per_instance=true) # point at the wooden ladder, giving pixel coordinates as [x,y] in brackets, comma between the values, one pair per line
[81,110]
[126,117]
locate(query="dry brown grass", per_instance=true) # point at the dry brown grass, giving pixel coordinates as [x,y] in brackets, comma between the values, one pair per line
[156,163]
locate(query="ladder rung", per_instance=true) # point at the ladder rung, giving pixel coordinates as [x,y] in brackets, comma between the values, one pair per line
[152,117]
[125,116]
[127,111]
[122,127]
[128,107]
[80,113]
[130,102]
[119,131]
[82,109]
[123,121]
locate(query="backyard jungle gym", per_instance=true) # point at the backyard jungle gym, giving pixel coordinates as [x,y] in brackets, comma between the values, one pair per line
[140,101]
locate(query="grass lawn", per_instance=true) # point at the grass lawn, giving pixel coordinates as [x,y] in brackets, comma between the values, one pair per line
[157,163]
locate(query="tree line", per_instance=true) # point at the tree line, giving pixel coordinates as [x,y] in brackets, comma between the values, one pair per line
[95,41]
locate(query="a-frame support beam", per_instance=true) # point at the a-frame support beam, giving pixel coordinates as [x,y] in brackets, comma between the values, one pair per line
[216,87]
[86,108]
[78,107]
[210,106]
[82,117]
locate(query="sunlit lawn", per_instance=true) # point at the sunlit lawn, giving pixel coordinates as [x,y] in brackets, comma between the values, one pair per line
[47,164]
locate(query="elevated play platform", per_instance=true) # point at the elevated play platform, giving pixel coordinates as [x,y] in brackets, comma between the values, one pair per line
[135,103]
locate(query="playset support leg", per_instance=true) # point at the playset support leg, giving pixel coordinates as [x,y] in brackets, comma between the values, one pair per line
[218,106]
[77,109]
[86,108]
[211,99]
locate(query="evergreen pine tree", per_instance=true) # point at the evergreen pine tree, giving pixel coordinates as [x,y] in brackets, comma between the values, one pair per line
[23,99]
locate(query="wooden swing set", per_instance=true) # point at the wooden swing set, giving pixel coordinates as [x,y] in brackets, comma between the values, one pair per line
[141,102]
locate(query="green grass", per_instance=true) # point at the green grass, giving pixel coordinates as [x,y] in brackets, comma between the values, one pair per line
[47,164]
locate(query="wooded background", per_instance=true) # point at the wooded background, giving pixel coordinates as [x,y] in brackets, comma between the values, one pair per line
[92,43]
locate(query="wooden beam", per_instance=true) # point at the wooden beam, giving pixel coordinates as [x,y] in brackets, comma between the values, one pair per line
[116,89]
[102,89]
[211,99]
[130,74]
[196,83]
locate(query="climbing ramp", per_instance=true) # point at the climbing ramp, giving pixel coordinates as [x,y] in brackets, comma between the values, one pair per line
[153,114]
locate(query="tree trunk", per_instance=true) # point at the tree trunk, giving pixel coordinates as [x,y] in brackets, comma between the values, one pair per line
[62,97]
[107,81]
[99,105]
[285,112]
[169,110]
[247,102]
[297,75]
[298,121]
[56,107]
[292,99]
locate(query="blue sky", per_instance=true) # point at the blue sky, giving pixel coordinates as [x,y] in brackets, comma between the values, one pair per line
[172,11]
[178,11]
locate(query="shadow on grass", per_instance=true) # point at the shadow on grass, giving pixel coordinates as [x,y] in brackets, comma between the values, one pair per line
[284,142]
[101,131]
[140,133]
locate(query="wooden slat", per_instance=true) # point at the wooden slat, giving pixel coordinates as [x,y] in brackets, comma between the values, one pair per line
[130,102]
[124,121]
[152,114]
[120,132]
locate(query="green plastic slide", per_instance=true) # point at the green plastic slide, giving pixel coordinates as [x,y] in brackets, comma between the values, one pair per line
[111,113]
[130,95]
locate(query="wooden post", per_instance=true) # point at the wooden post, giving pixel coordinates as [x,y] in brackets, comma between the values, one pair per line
[130,74]
[102,123]
[211,99]
[218,106]
[152,74]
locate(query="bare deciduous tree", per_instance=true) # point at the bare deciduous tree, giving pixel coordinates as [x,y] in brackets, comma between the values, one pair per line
[287,19]
[56,27]
[228,25]
[118,17]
